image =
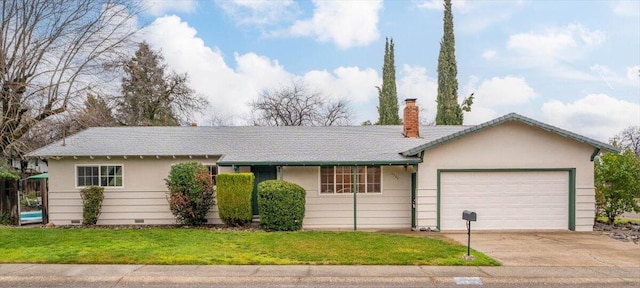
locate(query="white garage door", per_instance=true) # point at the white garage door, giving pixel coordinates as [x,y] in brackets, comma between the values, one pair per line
[505,200]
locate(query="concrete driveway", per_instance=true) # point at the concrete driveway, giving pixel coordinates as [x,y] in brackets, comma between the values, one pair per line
[552,248]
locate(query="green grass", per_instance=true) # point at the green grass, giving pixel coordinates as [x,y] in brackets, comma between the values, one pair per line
[619,221]
[208,247]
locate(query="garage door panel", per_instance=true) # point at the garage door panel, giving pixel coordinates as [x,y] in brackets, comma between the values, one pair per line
[505,200]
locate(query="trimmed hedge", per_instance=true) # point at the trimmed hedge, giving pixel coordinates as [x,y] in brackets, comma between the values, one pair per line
[191,193]
[281,205]
[234,198]
[92,198]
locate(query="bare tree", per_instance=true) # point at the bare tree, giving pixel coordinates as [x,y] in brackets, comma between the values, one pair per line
[95,112]
[153,95]
[51,53]
[294,105]
[629,138]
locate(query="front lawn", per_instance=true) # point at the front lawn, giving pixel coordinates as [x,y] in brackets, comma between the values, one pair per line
[209,247]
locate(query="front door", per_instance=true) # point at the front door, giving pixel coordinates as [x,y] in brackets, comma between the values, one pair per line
[261,173]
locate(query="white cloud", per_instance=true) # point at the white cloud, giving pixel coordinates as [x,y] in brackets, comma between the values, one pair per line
[351,83]
[461,5]
[555,49]
[346,23]
[489,54]
[227,89]
[230,88]
[413,82]
[552,45]
[492,94]
[628,8]
[508,90]
[479,115]
[159,7]
[633,73]
[598,116]
[259,12]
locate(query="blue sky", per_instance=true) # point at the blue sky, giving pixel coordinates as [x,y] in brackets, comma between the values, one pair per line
[572,64]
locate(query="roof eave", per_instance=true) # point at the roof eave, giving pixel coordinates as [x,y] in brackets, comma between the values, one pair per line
[511,117]
[319,163]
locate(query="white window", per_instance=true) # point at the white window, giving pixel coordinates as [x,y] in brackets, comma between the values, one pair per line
[341,179]
[99,175]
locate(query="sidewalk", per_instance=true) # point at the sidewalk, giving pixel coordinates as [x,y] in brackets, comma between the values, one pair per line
[306,275]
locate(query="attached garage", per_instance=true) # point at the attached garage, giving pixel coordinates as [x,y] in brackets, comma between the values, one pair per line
[506,199]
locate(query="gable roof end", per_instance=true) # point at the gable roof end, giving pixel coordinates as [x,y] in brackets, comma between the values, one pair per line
[511,117]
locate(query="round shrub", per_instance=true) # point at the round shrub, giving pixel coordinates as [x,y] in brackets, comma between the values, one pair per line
[191,193]
[281,205]
[234,198]
[92,198]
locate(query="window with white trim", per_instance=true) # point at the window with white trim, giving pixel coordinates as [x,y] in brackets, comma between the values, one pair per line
[340,179]
[99,175]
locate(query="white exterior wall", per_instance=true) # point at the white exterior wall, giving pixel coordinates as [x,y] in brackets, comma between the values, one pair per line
[509,145]
[390,209]
[143,195]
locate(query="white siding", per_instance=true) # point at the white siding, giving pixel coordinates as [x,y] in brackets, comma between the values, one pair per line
[509,145]
[391,209]
[143,195]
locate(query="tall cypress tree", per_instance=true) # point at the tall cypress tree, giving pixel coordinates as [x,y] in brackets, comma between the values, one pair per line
[449,111]
[387,95]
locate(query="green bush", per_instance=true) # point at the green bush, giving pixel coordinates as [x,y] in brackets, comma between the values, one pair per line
[234,198]
[191,193]
[617,182]
[281,205]
[92,197]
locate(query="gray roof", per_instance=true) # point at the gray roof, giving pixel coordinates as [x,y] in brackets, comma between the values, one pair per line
[505,118]
[337,145]
[251,144]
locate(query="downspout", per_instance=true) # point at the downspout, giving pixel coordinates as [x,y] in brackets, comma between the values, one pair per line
[355,198]
[414,176]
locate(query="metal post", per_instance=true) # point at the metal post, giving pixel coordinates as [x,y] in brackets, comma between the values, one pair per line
[468,237]
[355,198]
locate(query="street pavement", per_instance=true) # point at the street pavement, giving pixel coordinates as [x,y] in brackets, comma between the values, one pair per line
[67,275]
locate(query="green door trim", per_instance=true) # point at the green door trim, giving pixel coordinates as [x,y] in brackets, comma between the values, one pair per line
[572,187]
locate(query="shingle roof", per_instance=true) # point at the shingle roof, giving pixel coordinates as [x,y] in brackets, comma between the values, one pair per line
[255,145]
[505,118]
[279,145]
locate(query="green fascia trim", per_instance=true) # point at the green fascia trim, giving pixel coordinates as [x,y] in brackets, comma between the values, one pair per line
[327,163]
[506,118]
[572,187]
[595,153]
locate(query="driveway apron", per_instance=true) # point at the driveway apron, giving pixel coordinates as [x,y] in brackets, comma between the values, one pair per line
[552,248]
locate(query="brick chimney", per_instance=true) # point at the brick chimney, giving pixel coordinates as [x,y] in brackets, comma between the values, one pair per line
[411,119]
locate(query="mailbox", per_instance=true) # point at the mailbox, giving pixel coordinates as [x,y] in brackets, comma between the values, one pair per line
[469,215]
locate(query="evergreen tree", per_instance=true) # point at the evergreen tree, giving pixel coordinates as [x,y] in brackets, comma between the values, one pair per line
[387,95]
[449,111]
[151,95]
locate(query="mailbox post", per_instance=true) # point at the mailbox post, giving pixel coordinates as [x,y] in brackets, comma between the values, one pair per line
[469,216]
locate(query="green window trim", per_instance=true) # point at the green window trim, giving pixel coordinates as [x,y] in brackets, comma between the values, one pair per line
[572,188]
